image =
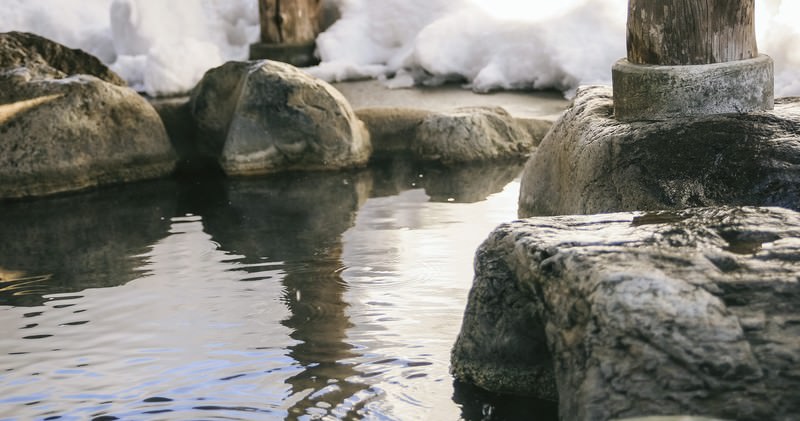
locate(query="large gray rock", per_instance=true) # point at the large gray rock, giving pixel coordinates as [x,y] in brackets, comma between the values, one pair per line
[592,163]
[637,314]
[265,117]
[472,134]
[465,135]
[62,132]
[51,59]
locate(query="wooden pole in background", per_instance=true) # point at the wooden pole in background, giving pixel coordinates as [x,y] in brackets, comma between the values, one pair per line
[685,32]
[289,21]
[691,58]
[289,29]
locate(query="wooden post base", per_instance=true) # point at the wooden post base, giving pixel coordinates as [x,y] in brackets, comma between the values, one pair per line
[300,55]
[648,92]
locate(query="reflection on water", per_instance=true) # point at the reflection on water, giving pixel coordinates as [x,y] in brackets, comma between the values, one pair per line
[74,242]
[301,296]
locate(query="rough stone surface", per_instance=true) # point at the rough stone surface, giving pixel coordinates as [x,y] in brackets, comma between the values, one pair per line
[592,163]
[50,59]
[465,135]
[675,418]
[471,134]
[61,132]
[648,92]
[641,314]
[265,117]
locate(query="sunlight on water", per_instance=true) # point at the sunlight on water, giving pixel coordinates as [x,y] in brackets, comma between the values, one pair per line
[409,273]
[296,297]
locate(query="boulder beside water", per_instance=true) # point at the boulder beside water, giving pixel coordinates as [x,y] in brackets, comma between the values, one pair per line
[50,59]
[592,163]
[264,117]
[638,314]
[464,135]
[472,134]
[68,123]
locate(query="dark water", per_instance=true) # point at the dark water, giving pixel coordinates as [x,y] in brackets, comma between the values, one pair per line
[304,296]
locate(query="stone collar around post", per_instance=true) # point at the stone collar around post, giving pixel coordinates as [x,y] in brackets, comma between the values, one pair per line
[690,59]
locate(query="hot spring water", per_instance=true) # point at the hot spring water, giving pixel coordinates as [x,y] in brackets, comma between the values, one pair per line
[300,296]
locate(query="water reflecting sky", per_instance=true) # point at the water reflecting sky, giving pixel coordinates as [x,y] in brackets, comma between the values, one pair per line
[301,296]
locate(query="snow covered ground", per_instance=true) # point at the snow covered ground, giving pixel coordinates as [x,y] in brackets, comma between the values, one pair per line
[160,47]
[164,48]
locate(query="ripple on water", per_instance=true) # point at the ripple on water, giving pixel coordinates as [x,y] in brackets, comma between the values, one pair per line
[280,298]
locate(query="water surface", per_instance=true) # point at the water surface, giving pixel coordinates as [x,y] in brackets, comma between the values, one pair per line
[301,296]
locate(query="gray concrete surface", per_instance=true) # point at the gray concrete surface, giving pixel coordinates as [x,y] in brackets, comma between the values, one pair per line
[546,105]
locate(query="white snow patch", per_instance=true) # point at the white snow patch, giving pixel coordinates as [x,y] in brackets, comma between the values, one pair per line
[164,47]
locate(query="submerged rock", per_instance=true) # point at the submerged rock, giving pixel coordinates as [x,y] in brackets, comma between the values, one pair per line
[61,131]
[265,117]
[636,314]
[591,163]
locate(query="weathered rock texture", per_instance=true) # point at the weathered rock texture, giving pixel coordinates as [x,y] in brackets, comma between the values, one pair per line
[50,59]
[61,131]
[591,163]
[672,418]
[472,134]
[469,134]
[647,93]
[265,117]
[634,314]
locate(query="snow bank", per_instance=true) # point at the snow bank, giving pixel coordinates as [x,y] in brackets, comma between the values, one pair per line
[509,44]
[164,47]
[78,24]
[159,47]
[779,36]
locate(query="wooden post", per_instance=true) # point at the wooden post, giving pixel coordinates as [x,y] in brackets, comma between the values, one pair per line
[690,58]
[288,31]
[684,32]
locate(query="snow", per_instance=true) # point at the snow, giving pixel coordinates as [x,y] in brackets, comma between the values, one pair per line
[509,44]
[159,47]
[164,47]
